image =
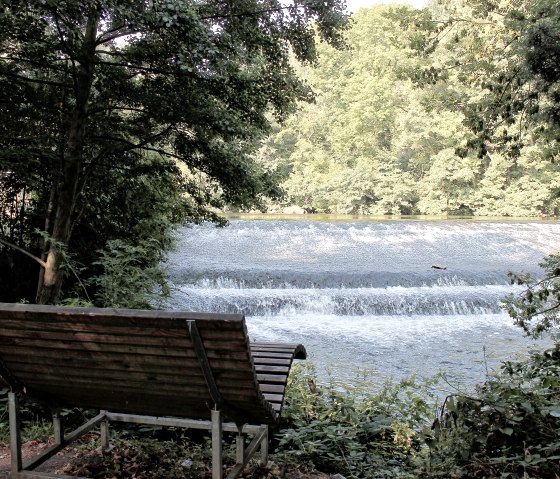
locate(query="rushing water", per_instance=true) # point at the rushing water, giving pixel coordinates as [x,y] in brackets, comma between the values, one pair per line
[365,295]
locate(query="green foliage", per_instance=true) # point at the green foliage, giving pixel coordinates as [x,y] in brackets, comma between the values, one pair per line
[537,308]
[35,418]
[116,115]
[131,276]
[353,430]
[510,429]
[442,111]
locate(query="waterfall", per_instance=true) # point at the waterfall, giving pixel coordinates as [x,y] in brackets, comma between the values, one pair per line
[392,298]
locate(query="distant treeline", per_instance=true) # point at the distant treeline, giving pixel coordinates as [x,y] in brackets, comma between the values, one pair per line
[424,113]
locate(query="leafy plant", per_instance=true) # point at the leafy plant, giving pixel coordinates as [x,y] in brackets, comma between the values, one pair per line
[511,428]
[353,430]
[130,278]
[537,309]
[35,420]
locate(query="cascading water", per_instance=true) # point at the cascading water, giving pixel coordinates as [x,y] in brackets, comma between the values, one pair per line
[365,295]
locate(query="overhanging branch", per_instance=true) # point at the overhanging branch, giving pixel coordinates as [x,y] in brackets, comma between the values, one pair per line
[25,252]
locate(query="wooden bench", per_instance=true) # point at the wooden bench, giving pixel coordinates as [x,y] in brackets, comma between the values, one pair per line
[190,370]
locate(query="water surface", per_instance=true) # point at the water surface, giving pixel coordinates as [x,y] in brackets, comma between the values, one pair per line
[365,295]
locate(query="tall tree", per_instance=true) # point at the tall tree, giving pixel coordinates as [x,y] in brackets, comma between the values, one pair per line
[91,89]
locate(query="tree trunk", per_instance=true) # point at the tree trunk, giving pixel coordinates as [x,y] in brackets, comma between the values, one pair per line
[67,191]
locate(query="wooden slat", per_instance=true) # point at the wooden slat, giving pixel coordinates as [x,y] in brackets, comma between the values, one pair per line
[97,338]
[182,376]
[277,361]
[267,368]
[33,344]
[22,311]
[98,397]
[48,324]
[296,350]
[123,348]
[274,397]
[235,391]
[266,354]
[115,359]
[272,378]
[272,388]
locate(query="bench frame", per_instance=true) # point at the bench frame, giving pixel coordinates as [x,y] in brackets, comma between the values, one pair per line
[102,420]
[188,370]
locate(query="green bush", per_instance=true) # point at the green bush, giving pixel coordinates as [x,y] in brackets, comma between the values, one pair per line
[510,429]
[354,430]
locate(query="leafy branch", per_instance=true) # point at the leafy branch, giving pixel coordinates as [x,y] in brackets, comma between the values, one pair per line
[537,308]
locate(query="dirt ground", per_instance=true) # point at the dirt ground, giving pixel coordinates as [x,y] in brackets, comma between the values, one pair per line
[31,449]
[73,454]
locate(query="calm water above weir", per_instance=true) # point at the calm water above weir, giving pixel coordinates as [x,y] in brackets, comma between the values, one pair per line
[364,295]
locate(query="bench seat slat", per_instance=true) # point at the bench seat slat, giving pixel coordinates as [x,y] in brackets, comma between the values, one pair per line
[272,388]
[278,398]
[124,347]
[272,378]
[277,361]
[130,355]
[267,368]
[263,354]
[168,389]
[160,404]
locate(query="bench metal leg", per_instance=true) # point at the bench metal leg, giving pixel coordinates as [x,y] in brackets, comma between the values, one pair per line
[217,471]
[104,431]
[244,455]
[240,448]
[58,429]
[264,448]
[15,432]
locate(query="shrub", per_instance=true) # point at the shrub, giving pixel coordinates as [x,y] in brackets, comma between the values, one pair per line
[353,430]
[510,429]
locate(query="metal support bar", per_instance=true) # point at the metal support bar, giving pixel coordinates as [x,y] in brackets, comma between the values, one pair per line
[215,425]
[50,452]
[178,422]
[104,431]
[42,475]
[256,442]
[264,448]
[260,439]
[15,432]
[240,447]
[58,429]
[217,472]
[200,351]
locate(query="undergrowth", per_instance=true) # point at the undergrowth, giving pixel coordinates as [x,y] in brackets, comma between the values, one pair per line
[353,430]
[509,429]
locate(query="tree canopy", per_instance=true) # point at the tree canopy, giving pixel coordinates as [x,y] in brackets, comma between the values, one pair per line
[449,110]
[119,117]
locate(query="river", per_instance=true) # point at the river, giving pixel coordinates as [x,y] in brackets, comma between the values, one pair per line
[364,296]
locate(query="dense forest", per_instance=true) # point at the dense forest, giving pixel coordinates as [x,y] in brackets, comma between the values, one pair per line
[443,111]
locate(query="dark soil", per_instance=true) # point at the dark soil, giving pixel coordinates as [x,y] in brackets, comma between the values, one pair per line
[31,449]
[80,460]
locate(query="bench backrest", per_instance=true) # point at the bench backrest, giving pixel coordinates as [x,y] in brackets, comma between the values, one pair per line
[141,362]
